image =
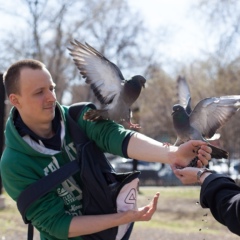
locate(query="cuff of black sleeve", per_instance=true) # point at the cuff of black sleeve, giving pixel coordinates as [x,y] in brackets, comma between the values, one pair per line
[208,180]
[125,144]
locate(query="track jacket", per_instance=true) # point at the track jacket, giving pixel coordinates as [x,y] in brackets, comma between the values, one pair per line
[24,161]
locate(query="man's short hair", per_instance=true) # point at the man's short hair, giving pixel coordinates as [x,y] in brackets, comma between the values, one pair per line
[12,75]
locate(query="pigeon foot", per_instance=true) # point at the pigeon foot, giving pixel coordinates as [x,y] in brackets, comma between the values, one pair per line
[133,125]
[93,115]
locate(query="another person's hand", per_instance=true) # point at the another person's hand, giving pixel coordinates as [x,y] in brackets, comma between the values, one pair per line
[188,151]
[188,175]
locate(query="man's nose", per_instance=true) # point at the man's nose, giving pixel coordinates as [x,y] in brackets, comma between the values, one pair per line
[51,96]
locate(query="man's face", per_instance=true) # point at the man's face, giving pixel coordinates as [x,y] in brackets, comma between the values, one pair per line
[37,99]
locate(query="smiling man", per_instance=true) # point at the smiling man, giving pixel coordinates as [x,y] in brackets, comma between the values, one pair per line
[38,142]
[36,100]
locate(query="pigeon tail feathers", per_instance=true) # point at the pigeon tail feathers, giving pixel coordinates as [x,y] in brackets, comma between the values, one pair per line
[218,153]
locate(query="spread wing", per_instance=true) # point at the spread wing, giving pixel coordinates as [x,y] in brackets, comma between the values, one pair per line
[211,114]
[184,95]
[104,77]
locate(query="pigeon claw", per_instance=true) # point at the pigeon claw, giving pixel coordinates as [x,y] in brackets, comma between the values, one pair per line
[166,144]
[133,125]
[193,163]
[92,115]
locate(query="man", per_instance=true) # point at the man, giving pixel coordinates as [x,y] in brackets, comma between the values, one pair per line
[38,142]
[219,193]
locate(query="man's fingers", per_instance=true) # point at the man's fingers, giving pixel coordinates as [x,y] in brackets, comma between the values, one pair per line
[200,164]
[198,143]
[155,199]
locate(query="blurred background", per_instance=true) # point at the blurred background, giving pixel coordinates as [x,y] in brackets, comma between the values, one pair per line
[160,40]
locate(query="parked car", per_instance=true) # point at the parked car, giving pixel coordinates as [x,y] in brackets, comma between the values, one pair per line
[234,170]
[219,165]
[167,177]
[149,171]
[230,167]
[152,174]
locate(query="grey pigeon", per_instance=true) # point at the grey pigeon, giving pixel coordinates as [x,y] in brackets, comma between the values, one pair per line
[205,119]
[115,93]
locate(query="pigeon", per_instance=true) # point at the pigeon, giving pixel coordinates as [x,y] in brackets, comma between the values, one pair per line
[201,123]
[113,91]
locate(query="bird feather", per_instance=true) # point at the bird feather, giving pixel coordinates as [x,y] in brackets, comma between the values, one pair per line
[115,93]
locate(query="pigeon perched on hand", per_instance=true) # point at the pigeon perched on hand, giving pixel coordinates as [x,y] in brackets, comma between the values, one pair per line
[115,93]
[205,119]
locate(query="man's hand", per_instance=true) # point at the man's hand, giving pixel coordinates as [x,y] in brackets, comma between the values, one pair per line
[188,151]
[80,224]
[144,213]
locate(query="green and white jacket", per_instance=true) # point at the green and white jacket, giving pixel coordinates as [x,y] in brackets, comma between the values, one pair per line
[24,161]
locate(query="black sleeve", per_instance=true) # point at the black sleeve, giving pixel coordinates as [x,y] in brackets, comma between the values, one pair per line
[125,144]
[221,195]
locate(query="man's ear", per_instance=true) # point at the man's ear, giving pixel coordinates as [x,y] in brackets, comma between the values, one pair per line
[13,98]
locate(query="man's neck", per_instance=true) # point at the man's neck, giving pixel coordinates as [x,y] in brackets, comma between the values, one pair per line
[43,130]
[48,134]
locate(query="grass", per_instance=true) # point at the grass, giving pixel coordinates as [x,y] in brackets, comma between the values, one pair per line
[178,212]
[172,192]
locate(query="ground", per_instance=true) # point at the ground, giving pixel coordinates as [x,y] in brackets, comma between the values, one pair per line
[178,217]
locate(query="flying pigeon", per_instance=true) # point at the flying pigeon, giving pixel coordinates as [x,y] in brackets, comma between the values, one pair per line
[115,93]
[205,119]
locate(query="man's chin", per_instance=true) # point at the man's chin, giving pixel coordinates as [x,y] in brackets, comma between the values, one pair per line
[50,116]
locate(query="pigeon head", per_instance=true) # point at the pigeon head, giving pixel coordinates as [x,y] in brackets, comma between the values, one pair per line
[180,117]
[140,80]
[132,89]
[177,109]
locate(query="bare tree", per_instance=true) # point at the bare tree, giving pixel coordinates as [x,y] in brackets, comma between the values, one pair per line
[209,79]
[109,26]
[218,75]
[155,105]
[222,20]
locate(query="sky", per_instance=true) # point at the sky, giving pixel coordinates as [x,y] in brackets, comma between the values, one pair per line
[188,38]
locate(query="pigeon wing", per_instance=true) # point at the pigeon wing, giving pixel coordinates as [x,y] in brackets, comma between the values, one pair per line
[104,77]
[184,95]
[211,114]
